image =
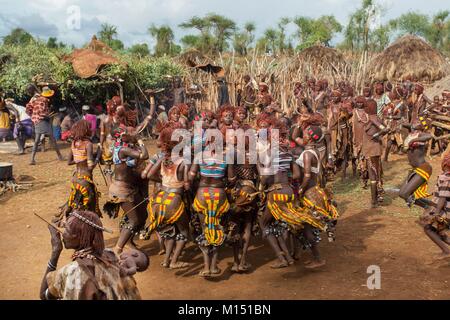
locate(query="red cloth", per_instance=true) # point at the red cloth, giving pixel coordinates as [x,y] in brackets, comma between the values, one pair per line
[65,135]
[38,109]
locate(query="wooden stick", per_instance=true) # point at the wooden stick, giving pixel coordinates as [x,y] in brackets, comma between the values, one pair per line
[50,224]
[103,174]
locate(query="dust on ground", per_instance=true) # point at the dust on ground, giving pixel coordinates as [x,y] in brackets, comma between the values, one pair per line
[387,237]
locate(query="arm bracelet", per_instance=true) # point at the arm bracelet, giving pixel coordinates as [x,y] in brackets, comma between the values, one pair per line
[51,266]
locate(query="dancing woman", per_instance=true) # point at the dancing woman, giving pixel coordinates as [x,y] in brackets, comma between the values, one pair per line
[166,210]
[279,215]
[244,194]
[124,191]
[84,194]
[313,197]
[211,204]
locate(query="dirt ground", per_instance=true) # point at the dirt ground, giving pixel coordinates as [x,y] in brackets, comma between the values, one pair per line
[387,237]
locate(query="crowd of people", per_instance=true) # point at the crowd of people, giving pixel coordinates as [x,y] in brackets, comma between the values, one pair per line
[284,196]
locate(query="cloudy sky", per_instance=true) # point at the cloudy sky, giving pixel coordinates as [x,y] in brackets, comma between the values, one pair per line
[57,18]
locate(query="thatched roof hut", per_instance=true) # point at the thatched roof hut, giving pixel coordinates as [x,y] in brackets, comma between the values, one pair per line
[321,61]
[409,57]
[319,58]
[193,58]
[88,61]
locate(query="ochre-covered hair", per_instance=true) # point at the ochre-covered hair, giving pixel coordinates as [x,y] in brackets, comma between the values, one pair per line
[184,108]
[89,236]
[265,117]
[81,130]
[371,106]
[360,99]
[224,109]
[165,139]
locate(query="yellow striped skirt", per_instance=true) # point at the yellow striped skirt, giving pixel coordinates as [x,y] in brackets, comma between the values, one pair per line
[213,206]
[282,208]
[162,212]
[80,195]
[422,190]
[316,199]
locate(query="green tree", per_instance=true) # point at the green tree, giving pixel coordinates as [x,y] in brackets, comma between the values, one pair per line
[282,43]
[140,50]
[108,34]
[413,23]
[380,38]
[243,39]
[52,43]
[271,40]
[439,32]
[311,31]
[223,29]
[191,42]
[18,36]
[164,39]
[262,45]
[215,32]
[202,42]
[357,33]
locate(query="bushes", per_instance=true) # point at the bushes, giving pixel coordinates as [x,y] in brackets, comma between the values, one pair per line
[36,62]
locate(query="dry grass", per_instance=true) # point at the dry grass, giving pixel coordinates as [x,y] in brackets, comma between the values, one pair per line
[409,57]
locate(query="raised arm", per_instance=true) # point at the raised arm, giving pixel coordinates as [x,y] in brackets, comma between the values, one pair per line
[141,154]
[155,170]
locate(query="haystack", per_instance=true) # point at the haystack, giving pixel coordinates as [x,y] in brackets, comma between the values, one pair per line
[88,61]
[319,58]
[409,57]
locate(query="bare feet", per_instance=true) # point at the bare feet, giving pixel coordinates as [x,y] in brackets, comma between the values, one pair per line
[179,265]
[290,260]
[162,252]
[279,265]
[165,264]
[235,267]
[205,273]
[243,267]
[216,271]
[315,264]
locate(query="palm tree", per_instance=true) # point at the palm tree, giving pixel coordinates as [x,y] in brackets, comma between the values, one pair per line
[282,33]
[107,33]
[164,39]
[271,37]
[440,28]
[242,40]
[223,30]
[203,42]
